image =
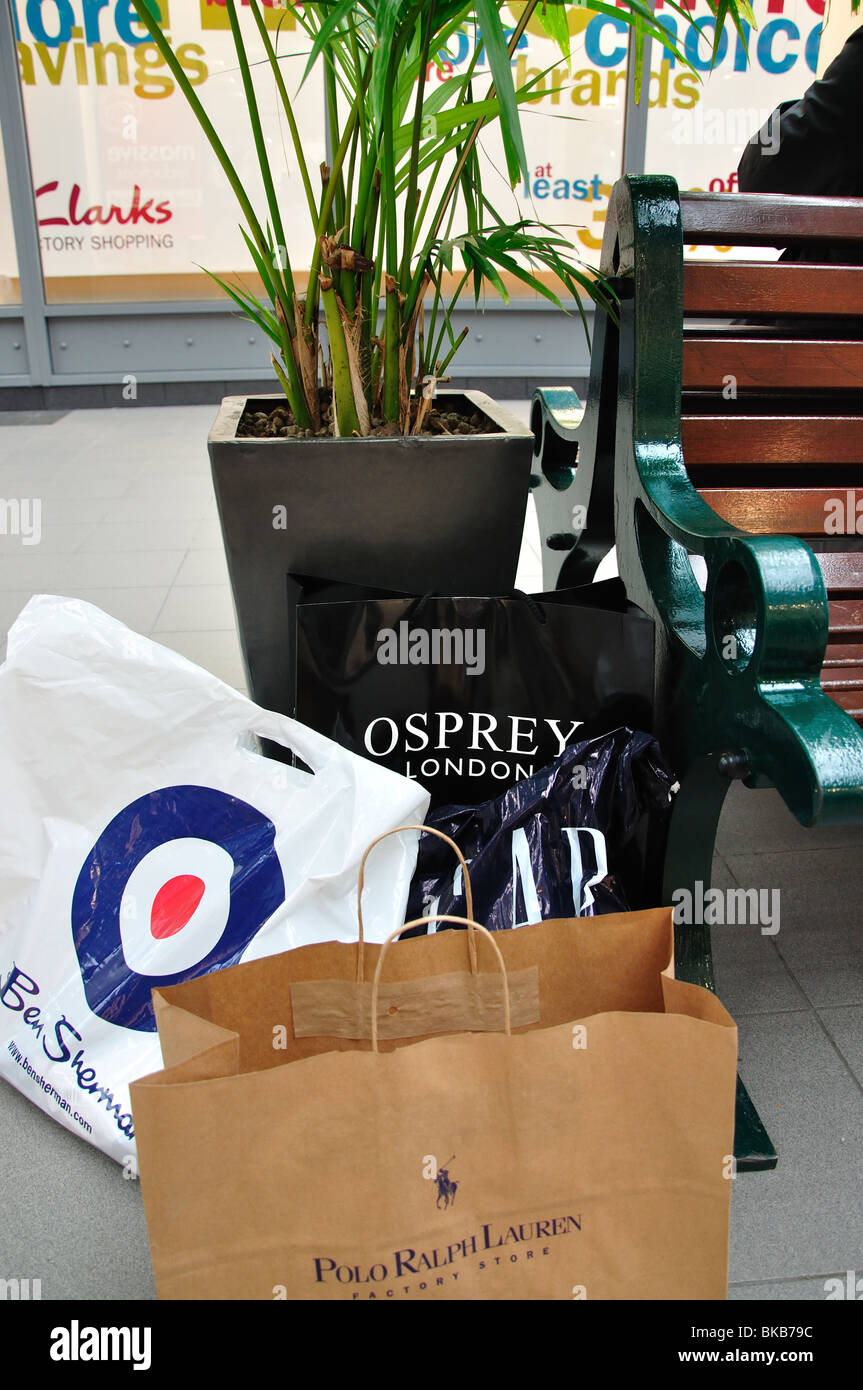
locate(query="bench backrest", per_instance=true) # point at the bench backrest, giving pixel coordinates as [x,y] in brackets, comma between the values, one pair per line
[772,406]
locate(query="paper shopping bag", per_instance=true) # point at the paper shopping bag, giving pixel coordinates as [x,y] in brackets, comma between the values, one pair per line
[584,1154]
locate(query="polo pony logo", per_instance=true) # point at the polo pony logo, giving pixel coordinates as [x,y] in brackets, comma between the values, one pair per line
[446,1188]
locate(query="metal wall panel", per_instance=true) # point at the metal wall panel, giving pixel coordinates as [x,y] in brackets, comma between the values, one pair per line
[152,342]
[525,341]
[13,348]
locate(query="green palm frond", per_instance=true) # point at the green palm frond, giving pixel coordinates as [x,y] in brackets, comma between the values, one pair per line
[403,210]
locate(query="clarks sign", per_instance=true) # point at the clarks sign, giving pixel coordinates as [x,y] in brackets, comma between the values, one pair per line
[59,209]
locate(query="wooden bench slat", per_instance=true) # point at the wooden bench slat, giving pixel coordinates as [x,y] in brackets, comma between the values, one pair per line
[771,364]
[842,678]
[844,654]
[849,700]
[846,616]
[842,571]
[799,511]
[739,288]
[739,440]
[772,219]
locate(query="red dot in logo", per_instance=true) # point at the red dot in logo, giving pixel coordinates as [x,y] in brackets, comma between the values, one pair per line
[174,904]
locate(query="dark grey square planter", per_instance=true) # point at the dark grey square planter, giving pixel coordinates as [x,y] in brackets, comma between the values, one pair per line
[415,515]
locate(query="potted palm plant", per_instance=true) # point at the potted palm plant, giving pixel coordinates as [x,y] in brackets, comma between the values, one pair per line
[362,470]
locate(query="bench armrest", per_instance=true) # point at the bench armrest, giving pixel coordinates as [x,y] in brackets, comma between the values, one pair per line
[748,652]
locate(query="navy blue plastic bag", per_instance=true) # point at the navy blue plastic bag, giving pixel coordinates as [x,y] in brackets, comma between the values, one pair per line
[581,837]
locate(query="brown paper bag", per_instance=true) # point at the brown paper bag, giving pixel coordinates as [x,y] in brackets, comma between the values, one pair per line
[584,1154]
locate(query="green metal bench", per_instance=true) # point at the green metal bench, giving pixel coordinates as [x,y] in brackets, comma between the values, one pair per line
[730,441]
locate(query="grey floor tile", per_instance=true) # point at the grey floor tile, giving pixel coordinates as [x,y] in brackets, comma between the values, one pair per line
[90,571]
[69,1217]
[197,608]
[529,576]
[788,1290]
[84,476]
[777,828]
[55,537]
[208,535]
[11,603]
[837,983]
[179,422]
[529,573]
[177,488]
[804,1217]
[150,438]
[751,977]
[821,932]
[160,509]
[165,469]
[203,567]
[156,457]
[72,508]
[81,483]
[845,1027]
[119,537]
[137,608]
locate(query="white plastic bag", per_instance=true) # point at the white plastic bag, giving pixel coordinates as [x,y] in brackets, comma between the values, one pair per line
[144,840]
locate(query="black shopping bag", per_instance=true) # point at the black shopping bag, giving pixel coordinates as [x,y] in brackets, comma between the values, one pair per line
[470,695]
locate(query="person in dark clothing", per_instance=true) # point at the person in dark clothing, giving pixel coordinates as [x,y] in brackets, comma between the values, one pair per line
[811,148]
[819,153]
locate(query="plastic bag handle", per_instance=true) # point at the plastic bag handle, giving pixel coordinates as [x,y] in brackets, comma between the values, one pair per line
[421,921]
[531,604]
[312,747]
[468,893]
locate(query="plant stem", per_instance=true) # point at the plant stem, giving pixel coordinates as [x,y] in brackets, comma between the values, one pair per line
[370,285]
[392,343]
[440,367]
[447,317]
[392,331]
[346,421]
[326,208]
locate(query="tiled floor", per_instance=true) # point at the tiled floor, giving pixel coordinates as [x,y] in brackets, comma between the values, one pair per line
[129,523]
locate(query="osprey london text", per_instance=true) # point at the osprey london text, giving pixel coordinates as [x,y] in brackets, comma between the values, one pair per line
[512,737]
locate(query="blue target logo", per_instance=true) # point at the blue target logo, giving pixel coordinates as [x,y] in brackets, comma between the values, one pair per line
[177,885]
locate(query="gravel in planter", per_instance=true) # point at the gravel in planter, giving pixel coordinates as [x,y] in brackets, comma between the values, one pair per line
[279,422]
